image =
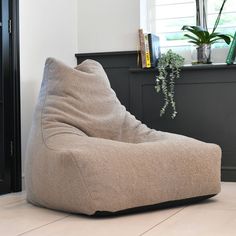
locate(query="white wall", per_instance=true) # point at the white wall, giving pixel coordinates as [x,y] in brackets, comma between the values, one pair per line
[60,28]
[108,25]
[48,28]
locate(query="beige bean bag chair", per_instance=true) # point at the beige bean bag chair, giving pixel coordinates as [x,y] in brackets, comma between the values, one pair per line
[87,154]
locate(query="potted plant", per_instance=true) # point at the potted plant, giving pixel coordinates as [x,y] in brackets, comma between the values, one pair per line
[202,38]
[169,66]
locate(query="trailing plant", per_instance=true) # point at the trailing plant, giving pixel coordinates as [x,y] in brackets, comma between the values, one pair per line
[200,36]
[169,67]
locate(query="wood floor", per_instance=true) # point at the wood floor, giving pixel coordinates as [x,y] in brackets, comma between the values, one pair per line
[213,217]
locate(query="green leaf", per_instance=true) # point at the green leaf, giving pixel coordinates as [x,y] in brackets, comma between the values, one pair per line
[218,36]
[206,37]
[197,31]
[194,42]
[219,15]
[191,37]
[226,38]
[158,88]
[213,35]
[192,27]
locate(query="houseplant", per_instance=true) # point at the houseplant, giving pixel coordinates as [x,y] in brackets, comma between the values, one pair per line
[169,66]
[202,38]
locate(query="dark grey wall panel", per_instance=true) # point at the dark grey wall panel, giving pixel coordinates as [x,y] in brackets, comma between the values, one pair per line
[206,104]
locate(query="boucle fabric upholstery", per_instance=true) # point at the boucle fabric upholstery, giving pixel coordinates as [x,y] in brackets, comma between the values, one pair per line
[86,153]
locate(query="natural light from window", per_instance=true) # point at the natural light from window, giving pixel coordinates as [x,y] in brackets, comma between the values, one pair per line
[165,18]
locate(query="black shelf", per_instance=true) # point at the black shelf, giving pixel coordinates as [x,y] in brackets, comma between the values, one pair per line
[214,66]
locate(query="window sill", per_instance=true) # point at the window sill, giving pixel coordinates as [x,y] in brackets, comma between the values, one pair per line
[213,66]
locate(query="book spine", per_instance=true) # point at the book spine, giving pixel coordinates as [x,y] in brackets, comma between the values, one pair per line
[231,54]
[147,51]
[151,50]
[142,48]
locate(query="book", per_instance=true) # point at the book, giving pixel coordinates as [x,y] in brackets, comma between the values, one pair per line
[147,51]
[154,48]
[142,48]
[232,51]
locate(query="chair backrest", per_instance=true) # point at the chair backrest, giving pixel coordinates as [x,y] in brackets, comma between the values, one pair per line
[79,98]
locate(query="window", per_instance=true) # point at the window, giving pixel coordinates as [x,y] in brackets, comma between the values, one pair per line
[165,18]
[227,23]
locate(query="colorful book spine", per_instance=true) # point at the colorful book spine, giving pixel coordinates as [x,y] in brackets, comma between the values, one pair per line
[232,51]
[142,48]
[147,51]
[154,48]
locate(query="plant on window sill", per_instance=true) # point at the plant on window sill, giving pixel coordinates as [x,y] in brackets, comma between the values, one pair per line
[169,66]
[202,38]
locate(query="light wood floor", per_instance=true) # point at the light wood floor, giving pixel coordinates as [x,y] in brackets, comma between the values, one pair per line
[213,217]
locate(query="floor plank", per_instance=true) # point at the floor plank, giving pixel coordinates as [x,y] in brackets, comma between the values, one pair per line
[19,217]
[131,225]
[214,217]
[11,198]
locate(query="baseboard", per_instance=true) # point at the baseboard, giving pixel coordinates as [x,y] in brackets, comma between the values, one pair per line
[228,173]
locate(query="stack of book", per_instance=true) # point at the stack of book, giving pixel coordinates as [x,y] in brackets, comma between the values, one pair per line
[149,49]
[232,52]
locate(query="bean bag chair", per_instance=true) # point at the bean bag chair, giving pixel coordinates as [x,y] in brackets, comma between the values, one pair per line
[87,154]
